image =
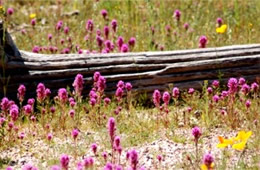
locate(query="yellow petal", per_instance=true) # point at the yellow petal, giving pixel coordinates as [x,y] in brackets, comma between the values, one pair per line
[247,135]
[239,146]
[224,142]
[222,145]
[203,167]
[221,139]
[221,29]
[32,16]
[243,136]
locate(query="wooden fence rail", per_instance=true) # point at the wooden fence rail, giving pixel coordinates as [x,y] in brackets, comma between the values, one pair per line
[145,70]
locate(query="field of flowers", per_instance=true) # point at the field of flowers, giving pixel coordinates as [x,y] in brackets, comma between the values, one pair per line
[214,128]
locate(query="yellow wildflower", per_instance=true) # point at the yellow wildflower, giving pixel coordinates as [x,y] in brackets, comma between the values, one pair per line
[238,142]
[33,15]
[224,142]
[204,167]
[221,29]
[1,8]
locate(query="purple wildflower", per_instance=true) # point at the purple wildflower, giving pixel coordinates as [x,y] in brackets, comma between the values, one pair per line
[94,148]
[175,92]
[10,11]
[78,84]
[215,98]
[132,41]
[128,86]
[64,161]
[104,13]
[248,103]
[196,132]
[121,84]
[124,48]
[75,133]
[106,31]
[63,95]
[166,98]
[208,160]
[203,41]
[66,30]
[90,25]
[114,24]
[111,128]
[232,85]
[156,98]
[177,14]
[219,21]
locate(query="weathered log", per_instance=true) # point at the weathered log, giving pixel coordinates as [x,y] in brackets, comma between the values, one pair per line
[145,70]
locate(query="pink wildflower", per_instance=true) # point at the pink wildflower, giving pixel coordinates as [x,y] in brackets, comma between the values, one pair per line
[64,161]
[10,11]
[75,133]
[219,21]
[132,41]
[191,91]
[90,25]
[203,41]
[66,30]
[177,14]
[120,42]
[49,136]
[114,24]
[119,93]
[156,98]
[111,128]
[232,85]
[94,148]
[5,104]
[28,109]
[106,31]
[78,84]
[196,132]
[128,86]
[208,160]
[121,84]
[104,13]
[215,98]
[40,92]
[63,95]
[248,103]
[166,98]
[254,87]
[33,22]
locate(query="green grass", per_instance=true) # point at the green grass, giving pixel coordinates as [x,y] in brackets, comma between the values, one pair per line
[138,126]
[135,19]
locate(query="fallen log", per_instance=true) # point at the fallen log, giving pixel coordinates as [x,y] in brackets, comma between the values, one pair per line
[145,70]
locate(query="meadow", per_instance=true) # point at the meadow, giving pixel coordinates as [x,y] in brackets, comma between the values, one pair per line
[216,127]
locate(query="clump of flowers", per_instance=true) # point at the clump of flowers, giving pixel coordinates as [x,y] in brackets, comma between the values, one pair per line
[238,143]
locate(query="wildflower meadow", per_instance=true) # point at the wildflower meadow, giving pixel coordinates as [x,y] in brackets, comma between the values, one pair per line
[214,127]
